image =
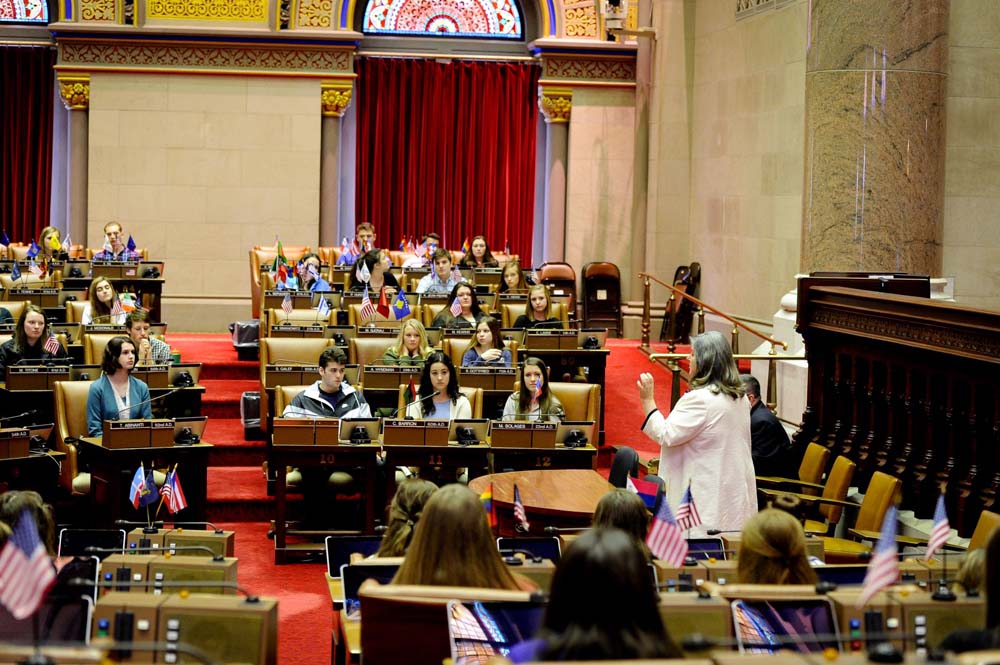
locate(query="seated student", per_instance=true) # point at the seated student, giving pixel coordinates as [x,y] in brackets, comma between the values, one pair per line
[6,316]
[28,343]
[410,348]
[471,313]
[538,311]
[407,506]
[378,264]
[454,546]
[442,279]
[116,247]
[117,395]
[439,396]
[479,255]
[51,243]
[534,401]
[101,300]
[622,509]
[773,550]
[364,236]
[487,348]
[309,275]
[602,605]
[513,279]
[150,351]
[430,243]
[331,396]
[960,641]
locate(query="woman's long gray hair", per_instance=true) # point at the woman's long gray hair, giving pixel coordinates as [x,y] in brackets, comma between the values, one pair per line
[715,366]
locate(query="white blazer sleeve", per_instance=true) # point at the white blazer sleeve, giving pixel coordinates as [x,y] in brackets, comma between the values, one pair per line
[463,409]
[685,422]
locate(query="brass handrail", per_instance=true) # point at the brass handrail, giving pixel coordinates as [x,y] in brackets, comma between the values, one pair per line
[674,292]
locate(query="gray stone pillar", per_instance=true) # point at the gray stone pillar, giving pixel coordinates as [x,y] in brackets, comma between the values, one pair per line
[556,104]
[875,135]
[335,98]
[74,89]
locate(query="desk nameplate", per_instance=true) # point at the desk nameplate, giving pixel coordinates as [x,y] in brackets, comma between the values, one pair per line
[551,339]
[510,434]
[402,432]
[35,377]
[154,376]
[378,331]
[290,330]
[14,442]
[294,432]
[388,376]
[284,375]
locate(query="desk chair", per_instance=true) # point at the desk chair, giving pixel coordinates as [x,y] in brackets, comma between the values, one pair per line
[328,255]
[15,307]
[29,281]
[71,422]
[810,472]
[559,276]
[416,618]
[430,310]
[474,395]
[987,524]
[93,347]
[368,350]
[582,401]
[74,310]
[284,349]
[510,312]
[838,482]
[264,256]
[602,296]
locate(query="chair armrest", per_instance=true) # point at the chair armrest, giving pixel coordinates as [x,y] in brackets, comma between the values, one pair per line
[773,480]
[809,498]
[874,536]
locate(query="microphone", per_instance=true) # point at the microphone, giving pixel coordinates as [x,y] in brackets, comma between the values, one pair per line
[416,401]
[555,530]
[149,401]
[716,532]
[29,412]
[156,550]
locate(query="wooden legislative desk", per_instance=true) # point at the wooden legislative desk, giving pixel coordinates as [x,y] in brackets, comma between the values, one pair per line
[34,472]
[564,498]
[574,364]
[111,472]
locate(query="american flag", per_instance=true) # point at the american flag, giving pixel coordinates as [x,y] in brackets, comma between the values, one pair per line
[883,569]
[26,572]
[940,531]
[687,512]
[456,307]
[52,345]
[173,493]
[117,309]
[367,308]
[665,539]
[286,304]
[520,517]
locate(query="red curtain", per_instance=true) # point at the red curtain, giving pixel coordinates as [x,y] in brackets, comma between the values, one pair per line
[447,147]
[26,82]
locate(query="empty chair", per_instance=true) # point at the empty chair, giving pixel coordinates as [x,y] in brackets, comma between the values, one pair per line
[810,471]
[837,484]
[561,280]
[602,296]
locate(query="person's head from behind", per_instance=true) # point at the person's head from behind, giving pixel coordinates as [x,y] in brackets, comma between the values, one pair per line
[773,550]
[513,277]
[365,235]
[412,339]
[993,581]
[623,510]
[13,503]
[441,258]
[713,364]
[972,571]
[118,354]
[331,368]
[404,515]
[113,232]
[376,260]
[453,545]
[31,327]
[603,604]
[751,386]
[539,305]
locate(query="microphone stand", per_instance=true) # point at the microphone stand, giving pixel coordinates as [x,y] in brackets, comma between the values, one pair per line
[944,593]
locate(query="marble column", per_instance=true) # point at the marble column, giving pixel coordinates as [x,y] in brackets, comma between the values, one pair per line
[876,75]
[556,104]
[335,98]
[74,89]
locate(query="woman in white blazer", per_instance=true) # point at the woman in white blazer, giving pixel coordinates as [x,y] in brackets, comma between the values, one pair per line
[705,441]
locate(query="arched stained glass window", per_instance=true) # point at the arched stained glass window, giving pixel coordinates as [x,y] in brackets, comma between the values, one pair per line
[444,18]
[24,11]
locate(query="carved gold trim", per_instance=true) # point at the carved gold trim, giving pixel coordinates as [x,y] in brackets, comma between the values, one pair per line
[555,103]
[75,91]
[249,11]
[335,97]
[314,14]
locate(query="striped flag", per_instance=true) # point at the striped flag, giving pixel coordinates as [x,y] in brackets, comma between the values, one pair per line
[687,512]
[286,304]
[323,307]
[52,345]
[665,540]
[537,395]
[456,307]
[883,569]
[117,309]
[138,485]
[487,498]
[465,246]
[520,517]
[34,268]
[940,531]
[26,572]
[367,308]
[173,494]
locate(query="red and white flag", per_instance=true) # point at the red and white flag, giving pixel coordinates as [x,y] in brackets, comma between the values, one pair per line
[52,345]
[172,493]
[26,572]
[367,308]
[286,304]
[117,309]
[687,512]
[665,539]
[940,531]
[520,517]
[456,307]
[883,569]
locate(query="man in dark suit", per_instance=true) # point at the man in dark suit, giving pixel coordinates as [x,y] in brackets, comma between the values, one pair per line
[769,445]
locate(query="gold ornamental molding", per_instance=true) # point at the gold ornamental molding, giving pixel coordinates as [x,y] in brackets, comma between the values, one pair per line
[248,11]
[589,69]
[75,91]
[335,97]
[555,103]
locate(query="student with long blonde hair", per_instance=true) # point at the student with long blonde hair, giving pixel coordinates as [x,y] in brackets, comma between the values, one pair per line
[411,347]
